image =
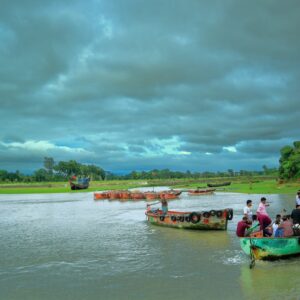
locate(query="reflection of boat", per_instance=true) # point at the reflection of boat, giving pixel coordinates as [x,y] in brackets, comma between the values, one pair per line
[201,192]
[201,220]
[219,184]
[79,184]
[265,248]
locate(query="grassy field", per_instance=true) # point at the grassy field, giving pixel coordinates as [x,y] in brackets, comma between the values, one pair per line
[255,186]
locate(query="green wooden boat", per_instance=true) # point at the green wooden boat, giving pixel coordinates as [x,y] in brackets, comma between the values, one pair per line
[265,248]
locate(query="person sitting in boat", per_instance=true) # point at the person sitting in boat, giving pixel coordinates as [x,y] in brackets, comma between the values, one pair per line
[248,211]
[164,206]
[286,227]
[298,198]
[276,224]
[242,226]
[295,215]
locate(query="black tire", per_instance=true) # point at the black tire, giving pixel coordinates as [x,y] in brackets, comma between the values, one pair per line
[229,214]
[195,217]
[219,213]
[162,218]
[181,218]
[188,219]
[206,214]
[212,212]
[173,218]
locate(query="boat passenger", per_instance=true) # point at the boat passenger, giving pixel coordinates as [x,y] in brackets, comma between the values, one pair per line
[164,206]
[242,226]
[287,227]
[276,224]
[298,198]
[262,215]
[247,210]
[295,215]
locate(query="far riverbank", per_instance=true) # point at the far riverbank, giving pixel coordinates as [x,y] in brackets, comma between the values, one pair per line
[253,186]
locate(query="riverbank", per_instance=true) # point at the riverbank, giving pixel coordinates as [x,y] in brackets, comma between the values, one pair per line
[255,186]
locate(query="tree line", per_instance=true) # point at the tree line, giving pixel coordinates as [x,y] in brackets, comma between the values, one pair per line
[289,162]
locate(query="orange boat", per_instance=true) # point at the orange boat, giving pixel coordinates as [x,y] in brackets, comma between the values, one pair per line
[169,195]
[114,194]
[201,192]
[151,195]
[201,220]
[100,195]
[137,195]
[125,195]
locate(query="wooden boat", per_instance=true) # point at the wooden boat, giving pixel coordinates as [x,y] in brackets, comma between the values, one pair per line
[200,220]
[79,184]
[198,192]
[100,195]
[125,195]
[270,248]
[169,194]
[151,195]
[137,195]
[219,184]
[114,195]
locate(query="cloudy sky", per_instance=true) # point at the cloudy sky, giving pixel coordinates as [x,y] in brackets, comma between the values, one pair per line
[137,85]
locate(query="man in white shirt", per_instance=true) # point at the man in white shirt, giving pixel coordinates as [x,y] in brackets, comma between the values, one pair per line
[247,210]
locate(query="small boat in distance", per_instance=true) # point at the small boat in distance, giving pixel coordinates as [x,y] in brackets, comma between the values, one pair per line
[219,184]
[198,192]
[79,183]
[200,220]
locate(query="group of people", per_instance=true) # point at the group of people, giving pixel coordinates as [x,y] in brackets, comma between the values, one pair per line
[284,225]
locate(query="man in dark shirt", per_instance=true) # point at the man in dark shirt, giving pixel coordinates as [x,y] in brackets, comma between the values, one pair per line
[242,226]
[295,215]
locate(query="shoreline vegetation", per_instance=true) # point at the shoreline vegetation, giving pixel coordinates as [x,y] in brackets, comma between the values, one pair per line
[255,185]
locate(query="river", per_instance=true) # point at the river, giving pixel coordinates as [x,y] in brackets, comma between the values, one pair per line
[68,246]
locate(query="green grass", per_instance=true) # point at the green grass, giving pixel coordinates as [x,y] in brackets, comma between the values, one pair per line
[238,185]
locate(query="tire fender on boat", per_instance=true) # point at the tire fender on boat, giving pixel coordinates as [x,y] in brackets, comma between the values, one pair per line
[206,214]
[195,217]
[219,213]
[173,218]
[229,214]
[212,212]
[162,218]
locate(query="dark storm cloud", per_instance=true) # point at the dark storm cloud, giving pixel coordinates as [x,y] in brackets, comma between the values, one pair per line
[148,84]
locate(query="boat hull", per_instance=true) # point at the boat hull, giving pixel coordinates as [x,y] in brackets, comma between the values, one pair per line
[201,192]
[271,248]
[204,220]
[219,184]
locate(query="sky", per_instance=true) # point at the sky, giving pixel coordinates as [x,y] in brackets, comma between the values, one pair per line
[141,85]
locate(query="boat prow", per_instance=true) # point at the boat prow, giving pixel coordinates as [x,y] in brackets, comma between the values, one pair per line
[269,248]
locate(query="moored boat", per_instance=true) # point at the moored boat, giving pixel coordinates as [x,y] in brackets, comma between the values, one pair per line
[79,184]
[151,195]
[169,194]
[136,195]
[100,195]
[270,248]
[219,184]
[201,192]
[200,220]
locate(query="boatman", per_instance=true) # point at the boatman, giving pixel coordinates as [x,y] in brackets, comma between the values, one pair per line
[242,226]
[164,206]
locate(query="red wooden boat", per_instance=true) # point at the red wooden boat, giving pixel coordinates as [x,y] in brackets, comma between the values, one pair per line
[114,194]
[101,195]
[201,192]
[137,195]
[125,195]
[201,220]
[151,195]
[169,194]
